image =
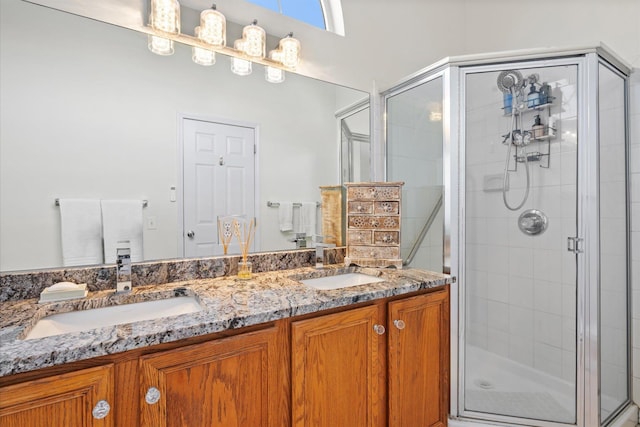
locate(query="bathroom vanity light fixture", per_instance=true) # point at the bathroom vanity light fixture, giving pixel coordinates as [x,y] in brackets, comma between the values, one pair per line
[254,38]
[212,31]
[210,38]
[165,20]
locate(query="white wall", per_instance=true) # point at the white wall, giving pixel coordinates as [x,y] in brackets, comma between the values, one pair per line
[88,111]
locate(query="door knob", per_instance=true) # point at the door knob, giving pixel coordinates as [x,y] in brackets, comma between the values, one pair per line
[190,234]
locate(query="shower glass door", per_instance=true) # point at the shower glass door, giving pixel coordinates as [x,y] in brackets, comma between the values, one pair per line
[519,156]
[414,156]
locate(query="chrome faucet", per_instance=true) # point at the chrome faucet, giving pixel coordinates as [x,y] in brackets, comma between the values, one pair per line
[300,240]
[123,266]
[320,245]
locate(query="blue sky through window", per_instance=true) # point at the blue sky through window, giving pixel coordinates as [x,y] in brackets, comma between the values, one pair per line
[308,11]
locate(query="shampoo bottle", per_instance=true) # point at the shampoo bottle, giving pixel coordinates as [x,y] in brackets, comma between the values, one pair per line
[537,129]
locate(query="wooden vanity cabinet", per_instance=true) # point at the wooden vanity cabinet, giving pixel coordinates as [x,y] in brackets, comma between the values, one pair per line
[376,365]
[336,370]
[76,399]
[230,382]
[418,360]
[340,374]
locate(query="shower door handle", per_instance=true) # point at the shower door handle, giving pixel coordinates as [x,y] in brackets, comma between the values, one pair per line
[574,244]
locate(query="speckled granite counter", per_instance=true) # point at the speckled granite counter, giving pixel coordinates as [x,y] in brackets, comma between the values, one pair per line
[228,303]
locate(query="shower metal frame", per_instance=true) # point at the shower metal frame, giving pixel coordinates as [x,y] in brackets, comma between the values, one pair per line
[453,72]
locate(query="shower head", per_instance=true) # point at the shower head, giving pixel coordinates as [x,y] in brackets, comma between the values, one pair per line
[509,80]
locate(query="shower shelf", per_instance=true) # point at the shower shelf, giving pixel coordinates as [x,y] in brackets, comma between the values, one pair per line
[529,109]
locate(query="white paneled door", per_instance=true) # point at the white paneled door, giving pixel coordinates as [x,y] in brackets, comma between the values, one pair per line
[219,179]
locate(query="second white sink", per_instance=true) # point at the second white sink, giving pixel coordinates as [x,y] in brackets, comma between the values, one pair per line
[84,320]
[339,281]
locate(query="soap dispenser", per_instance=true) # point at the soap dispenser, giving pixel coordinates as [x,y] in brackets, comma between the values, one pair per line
[533,98]
[537,129]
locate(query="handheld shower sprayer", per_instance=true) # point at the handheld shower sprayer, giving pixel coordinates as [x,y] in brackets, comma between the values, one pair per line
[511,82]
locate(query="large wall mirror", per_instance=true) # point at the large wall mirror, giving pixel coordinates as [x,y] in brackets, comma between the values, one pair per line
[88,112]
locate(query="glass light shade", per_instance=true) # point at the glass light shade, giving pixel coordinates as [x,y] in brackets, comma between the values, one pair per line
[213,27]
[273,74]
[254,40]
[160,46]
[290,51]
[202,56]
[241,67]
[165,16]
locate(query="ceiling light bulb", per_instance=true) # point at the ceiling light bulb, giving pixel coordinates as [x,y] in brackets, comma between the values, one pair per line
[213,27]
[241,67]
[165,16]
[160,45]
[200,55]
[254,40]
[290,49]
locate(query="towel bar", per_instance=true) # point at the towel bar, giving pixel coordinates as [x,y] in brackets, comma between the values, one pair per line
[295,204]
[145,203]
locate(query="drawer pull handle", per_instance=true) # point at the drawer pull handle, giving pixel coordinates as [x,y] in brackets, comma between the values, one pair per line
[399,324]
[152,396]
[379,329]
[101,410]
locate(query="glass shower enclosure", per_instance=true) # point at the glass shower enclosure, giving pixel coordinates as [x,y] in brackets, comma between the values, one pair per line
[529,155]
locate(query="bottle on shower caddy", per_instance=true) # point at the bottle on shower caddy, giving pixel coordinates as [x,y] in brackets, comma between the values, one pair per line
[538,128]
[533,98]
[545,94]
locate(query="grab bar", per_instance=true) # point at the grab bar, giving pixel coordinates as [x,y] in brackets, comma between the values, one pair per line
[423,232]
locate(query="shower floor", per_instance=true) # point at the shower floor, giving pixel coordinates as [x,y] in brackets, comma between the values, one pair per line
[497,385]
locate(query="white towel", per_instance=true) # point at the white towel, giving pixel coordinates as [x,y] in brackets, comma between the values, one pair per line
[121,221]
[308,212]
[285,216]
[81,232]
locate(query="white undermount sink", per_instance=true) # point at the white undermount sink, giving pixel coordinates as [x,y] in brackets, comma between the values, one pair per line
[340,281]
[84,320]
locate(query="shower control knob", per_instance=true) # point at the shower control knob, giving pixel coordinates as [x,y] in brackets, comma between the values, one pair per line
[191,234]
[399,324]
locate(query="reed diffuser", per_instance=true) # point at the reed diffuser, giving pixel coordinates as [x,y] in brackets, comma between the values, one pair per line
[244,229]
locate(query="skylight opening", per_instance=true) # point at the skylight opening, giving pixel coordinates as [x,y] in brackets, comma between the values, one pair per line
[324,14]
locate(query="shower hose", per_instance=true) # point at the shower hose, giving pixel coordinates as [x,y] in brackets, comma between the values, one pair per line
[505,179]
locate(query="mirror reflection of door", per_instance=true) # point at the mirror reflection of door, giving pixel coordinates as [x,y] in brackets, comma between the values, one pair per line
[218,180]
[355,145]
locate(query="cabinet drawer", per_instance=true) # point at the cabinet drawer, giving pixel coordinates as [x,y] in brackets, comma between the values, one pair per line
[373,193]
[382,208]
[359,237]
[375,252]
[359,207]
[386,237]
[368,222]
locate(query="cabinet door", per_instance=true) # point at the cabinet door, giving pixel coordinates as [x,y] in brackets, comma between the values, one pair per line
[61,400]
[336,368]
[230,382]
[419,360]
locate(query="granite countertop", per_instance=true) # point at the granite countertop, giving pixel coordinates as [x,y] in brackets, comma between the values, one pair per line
[228,303]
